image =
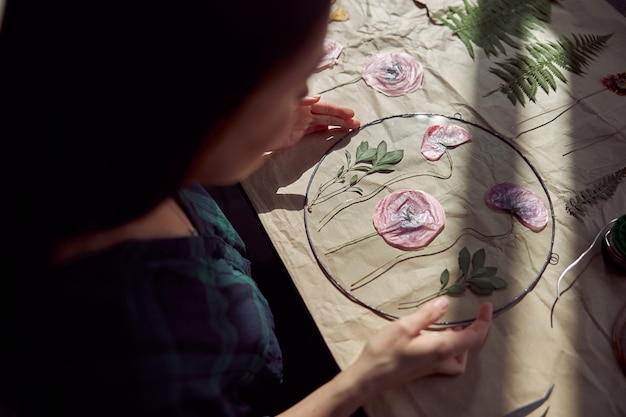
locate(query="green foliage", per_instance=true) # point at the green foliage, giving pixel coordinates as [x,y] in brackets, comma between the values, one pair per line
[602,189]
[523,75]
[367,161]
[480,279]
[492,23]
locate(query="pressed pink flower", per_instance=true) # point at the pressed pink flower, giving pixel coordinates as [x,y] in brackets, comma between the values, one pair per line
[393,73]
[409,219]
[521,201]
[438,138]
[332,50]
[616,83]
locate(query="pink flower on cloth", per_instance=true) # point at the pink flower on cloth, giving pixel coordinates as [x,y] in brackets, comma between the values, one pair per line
[393,73]
[409,219]
[616,83]
[332,50]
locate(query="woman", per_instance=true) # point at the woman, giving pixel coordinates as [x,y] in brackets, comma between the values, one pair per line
[127,292]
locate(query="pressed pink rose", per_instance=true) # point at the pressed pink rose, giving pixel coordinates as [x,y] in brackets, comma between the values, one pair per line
[393,73]
[332,50]
[409,219]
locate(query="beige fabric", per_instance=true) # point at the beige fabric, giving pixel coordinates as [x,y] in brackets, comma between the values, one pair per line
[523,356]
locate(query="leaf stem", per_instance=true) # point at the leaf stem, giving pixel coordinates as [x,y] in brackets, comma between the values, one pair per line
[340,85]
[378,272]
[345,204]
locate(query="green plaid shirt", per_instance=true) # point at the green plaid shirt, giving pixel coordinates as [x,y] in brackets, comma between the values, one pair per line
[172,327]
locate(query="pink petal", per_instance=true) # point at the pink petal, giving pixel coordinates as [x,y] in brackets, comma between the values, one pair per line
[409,219]
[332,50]
[438,138]
[393,73]
[521,201]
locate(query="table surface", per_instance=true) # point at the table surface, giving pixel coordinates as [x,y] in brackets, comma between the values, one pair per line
[524,355]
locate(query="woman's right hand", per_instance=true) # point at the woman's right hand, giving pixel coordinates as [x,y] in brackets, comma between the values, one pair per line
[399,353]
[403,351]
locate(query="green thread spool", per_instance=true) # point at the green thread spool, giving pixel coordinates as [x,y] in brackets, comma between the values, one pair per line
[614,246]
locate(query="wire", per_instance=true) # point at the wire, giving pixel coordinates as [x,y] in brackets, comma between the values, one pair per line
[573,264]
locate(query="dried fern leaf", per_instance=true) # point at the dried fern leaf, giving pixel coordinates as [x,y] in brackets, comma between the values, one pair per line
[523,75]
[492,23]
[601,190]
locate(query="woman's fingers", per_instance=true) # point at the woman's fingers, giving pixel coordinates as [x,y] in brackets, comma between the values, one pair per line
[309,100]
[326,108]
[425,316]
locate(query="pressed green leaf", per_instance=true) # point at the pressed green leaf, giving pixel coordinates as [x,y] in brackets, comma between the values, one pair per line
[485,271]
[381,168]
[480,290]
[444,278]
[368,155]
[381,150]
[492,282]
[464,261]
[367,160]
[478,259]
[392,157]
[481,282]
[455,289]
[363,146]
[499,282]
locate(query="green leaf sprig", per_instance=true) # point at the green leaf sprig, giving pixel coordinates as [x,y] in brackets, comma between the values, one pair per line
[366,161]
[480,279]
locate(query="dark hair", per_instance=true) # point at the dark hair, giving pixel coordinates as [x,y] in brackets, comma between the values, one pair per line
[105,104]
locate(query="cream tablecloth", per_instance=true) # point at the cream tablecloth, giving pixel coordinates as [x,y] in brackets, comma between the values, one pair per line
[523,354]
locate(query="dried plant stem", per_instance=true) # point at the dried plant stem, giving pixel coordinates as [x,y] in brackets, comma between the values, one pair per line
[351,242]
[593,141]
[361,282]
[341,85]
[413,304]
[345,204]
[570,106]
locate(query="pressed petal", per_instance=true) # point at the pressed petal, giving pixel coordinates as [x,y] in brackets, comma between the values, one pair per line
[521,201]
[616,83]
[332,50]
[393,73]
[438,138]
[409,219]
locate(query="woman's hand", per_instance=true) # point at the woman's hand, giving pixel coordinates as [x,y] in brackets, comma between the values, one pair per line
[313,115]
[399,353]
[403,351]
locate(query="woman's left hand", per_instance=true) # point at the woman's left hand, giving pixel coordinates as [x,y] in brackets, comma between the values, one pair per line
[313,115]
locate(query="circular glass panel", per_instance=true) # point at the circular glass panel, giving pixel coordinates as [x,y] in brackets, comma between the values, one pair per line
[476,242]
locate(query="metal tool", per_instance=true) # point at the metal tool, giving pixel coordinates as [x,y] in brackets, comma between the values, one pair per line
[532,406]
